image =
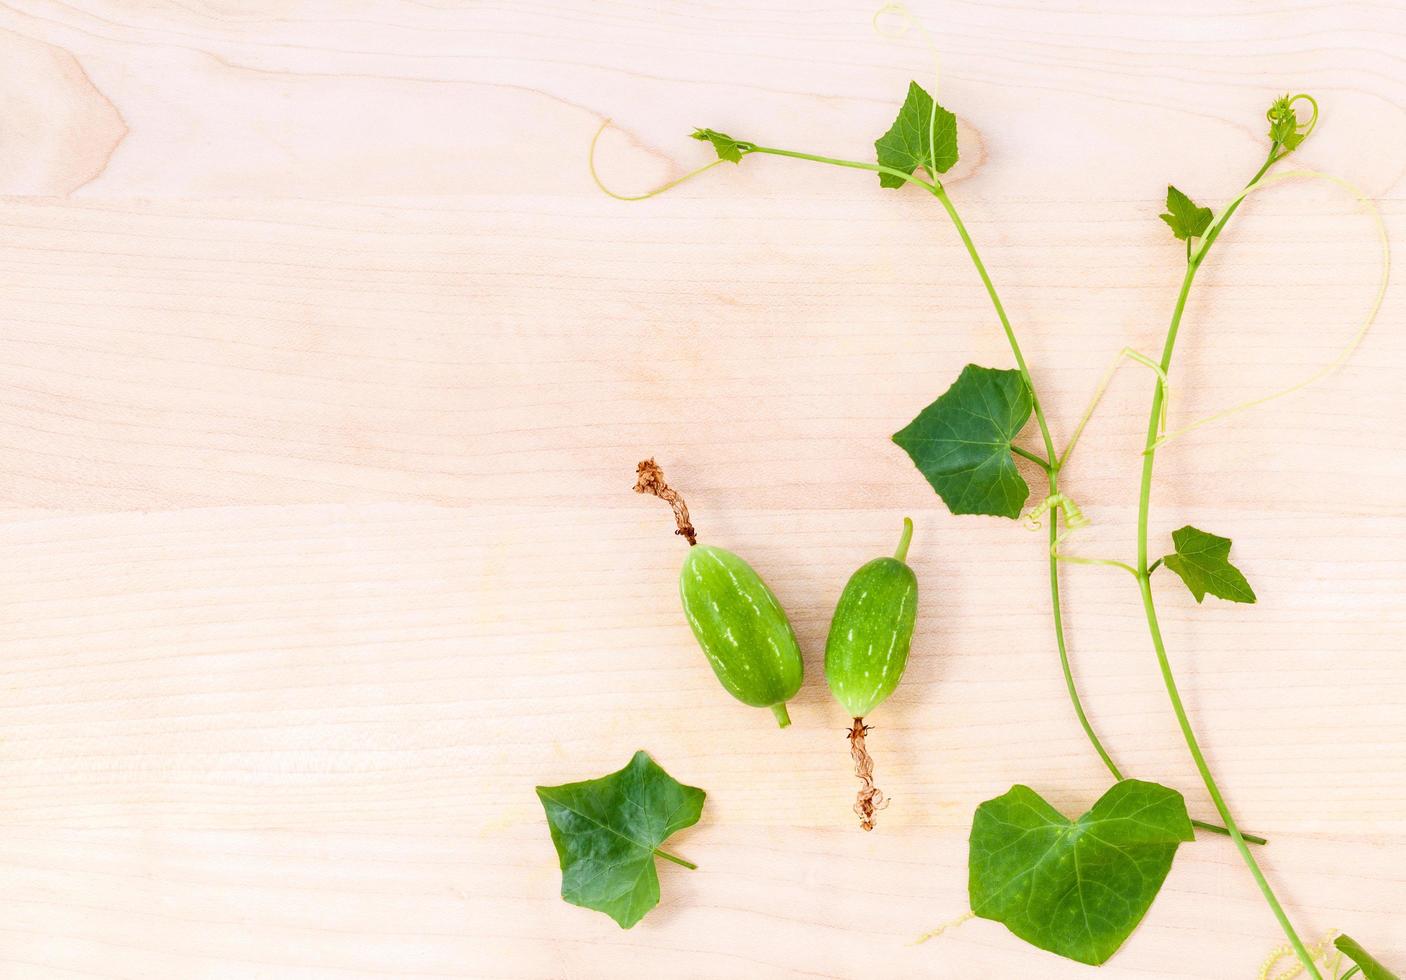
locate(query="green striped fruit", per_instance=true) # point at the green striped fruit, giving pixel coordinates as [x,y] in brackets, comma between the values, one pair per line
[741,628]
[873,626]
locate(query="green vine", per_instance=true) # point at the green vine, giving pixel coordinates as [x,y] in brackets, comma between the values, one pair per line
[1025,859]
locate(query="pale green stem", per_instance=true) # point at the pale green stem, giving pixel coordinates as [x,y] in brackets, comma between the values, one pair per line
[783,719]
[1052,470]
[941,194]
[852,164]
[1150,609]
[1064,659]
[1051,467]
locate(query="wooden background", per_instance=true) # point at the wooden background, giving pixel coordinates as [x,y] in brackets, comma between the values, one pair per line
[325,368]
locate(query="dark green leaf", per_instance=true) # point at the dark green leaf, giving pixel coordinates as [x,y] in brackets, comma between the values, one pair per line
[727,147]
[608,830]
[1284,124]
[1185,218]
[962,442]
[1203,562]
[1371,969]
[1076,888]
[924,135]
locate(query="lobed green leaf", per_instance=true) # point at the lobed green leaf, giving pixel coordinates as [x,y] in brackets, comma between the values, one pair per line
[1074,887]
[1203,562]
[607,831]
[962,442]
[1183,216]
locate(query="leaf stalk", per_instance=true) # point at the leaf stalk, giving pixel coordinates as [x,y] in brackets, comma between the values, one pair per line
[677,860]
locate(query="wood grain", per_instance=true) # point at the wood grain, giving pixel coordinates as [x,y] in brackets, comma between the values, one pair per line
[323,376]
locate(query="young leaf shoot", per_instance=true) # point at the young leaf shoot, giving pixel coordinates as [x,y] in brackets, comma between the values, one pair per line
[1184,218]
[1203,562]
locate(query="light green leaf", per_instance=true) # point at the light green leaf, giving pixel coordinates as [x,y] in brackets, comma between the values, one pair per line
[1202,560]
[726,147]
[608,830]
[962,442]
[1077,888]
[1371,969]
[1185,218]
[924,135]
[1284,124]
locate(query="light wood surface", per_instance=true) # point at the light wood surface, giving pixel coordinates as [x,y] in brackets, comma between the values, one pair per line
[323,375]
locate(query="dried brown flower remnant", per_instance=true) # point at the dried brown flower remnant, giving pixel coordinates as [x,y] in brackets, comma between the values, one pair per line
[650,479]
[870,798]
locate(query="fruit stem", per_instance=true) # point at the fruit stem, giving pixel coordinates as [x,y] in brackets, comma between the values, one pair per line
[779,710]
[649,478]
[902,553]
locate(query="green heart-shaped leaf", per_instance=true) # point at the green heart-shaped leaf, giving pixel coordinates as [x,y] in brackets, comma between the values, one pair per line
[1074,887]
[608,830]
[962,442]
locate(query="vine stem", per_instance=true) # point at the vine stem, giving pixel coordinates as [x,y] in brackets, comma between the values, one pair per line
[1051,465]
[837,162]
[1194,260]
[940,193]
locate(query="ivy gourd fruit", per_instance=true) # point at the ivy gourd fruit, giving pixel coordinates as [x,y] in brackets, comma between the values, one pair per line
[867,651]
[740,626]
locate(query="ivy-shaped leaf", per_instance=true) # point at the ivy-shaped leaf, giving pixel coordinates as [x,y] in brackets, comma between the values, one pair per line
[608,830]
[1077,888]
[924,135]
[726,147]
[1203,562]
[962,442]
[1371,969]
[1184,217]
